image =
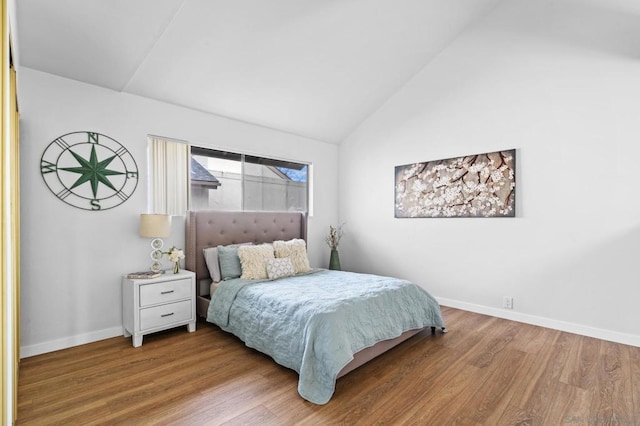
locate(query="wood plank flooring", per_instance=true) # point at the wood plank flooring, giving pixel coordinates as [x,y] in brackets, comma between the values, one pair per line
[485,371]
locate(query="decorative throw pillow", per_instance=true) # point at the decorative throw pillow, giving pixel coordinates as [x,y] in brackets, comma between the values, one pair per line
[254,261]
[229,262]
[296,250]
[211,258]
[278,268]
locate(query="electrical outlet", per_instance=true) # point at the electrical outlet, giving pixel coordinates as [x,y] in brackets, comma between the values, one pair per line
[507,302]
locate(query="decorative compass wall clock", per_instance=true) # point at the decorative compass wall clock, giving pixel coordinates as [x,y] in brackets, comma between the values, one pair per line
[89,170]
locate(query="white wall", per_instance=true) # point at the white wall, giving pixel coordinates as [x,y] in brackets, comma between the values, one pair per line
[560,82]
[72,259]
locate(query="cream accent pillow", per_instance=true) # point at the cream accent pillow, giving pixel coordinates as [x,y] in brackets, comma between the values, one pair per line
[296,250]
[254,261]
[278,268]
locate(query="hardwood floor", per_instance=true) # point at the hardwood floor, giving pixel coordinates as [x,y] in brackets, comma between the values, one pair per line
[484,371]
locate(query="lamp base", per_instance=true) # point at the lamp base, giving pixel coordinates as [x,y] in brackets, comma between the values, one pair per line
[156,254]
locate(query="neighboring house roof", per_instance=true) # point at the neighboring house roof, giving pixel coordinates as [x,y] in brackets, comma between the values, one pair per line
[201,176]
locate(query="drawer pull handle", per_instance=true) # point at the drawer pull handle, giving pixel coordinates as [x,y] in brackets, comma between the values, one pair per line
[166,315]
[166,292]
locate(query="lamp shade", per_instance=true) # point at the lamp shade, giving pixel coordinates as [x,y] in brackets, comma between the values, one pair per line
[155,225]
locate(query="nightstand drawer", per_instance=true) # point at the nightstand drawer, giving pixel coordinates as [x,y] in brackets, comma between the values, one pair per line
[159,316]
[163,292]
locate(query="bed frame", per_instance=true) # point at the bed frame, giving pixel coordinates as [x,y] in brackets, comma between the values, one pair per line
[213,228]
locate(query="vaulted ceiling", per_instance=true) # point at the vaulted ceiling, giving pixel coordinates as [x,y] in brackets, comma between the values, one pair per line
[315,68]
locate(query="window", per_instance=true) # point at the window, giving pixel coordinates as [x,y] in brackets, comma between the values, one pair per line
[222,180]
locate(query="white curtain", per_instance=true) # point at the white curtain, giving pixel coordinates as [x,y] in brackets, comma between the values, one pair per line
[169,161]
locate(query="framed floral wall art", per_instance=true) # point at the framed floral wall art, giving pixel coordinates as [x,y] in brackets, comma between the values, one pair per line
[480,185]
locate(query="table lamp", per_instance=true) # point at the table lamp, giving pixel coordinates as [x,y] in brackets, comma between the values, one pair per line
[156,226]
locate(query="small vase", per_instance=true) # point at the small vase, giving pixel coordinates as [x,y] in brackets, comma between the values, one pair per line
[334,260]
[176,267]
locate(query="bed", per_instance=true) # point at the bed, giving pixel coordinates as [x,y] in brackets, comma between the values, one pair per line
[297,347]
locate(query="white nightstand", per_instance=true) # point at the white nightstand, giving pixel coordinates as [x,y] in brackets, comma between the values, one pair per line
[150,305]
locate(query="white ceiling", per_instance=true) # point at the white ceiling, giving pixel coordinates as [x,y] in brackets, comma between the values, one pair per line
[315,68]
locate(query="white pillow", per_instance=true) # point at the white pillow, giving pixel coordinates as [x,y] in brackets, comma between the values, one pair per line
[211,259]
[296,250]
[254,261]
[278,268]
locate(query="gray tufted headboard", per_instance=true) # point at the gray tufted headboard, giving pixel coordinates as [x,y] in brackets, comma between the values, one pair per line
[210,228]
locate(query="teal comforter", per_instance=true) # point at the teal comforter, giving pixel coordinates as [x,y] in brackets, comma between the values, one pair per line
[315,323]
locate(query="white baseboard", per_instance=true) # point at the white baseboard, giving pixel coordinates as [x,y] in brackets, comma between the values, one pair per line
[583,330]
[68,342]
[598,333]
